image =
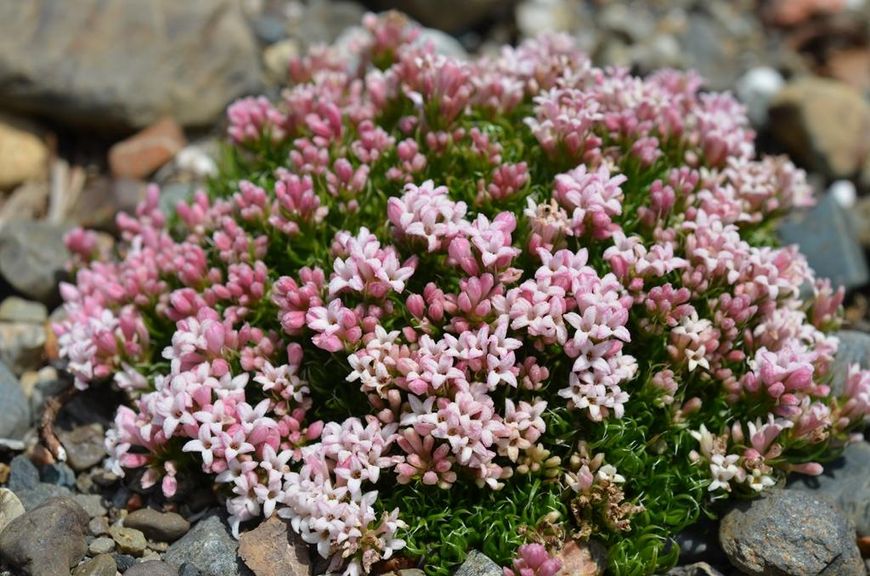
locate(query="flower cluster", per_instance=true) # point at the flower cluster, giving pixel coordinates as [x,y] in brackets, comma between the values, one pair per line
[516,275]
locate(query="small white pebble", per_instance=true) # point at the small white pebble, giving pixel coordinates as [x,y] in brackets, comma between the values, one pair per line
[756,88]
[844,193]
[194,159]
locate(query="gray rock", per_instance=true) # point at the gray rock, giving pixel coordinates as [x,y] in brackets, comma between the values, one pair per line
[23,474]
[57,526]
[59,474]
[208,546]
[21,345]
[449,15]
[123,561]
[98,526]
[41,493]
[322,21]
[101,565]
[125,64]
[10,507]
[825,236]
[790,532]
[188,569]
[697,569]
[102,545]
[15,415]
[85,446]
[92,504]
[32,253]
[478,564]
[151,568]
[846,481]
[159,526]
[271,549]
[854,348]
[15,309]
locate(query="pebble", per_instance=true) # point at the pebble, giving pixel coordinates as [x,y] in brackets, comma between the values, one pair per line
[101,565]
[790,532]
[92,504]
[102,545]
[129,541]
[143,153]
[123,561]
[15,415]
[159,526]
[756,88]
[85,446]
[58,525]
[33,258]
[151,568]
[98,526]
[269,550]
[478,564]
[23,474]
[823,124]
[23,153]
[208,546]
[15,309]
[41,493]
[21,345]
[10,507]
[58,473]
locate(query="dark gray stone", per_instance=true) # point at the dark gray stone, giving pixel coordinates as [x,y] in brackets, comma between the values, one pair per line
[188,569]
[478,564]
[151,568]
[790,532]
[32,254]
[59,474]
[700,543]
[123,561]
[208,546]
[15,415]
[92,504]
[125,64]
[826,237]
[854,348]
[846,481]
[40,494]
[46,541]
[23,474]
[159,526]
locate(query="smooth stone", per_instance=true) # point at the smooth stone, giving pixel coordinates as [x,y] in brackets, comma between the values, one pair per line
[102,545]
[159,526]
[59,474]
[826,237]
[10,507]
[98,526]
[40,494]
[23,474]
[23,152]
[15,415]
[272,549]
[209,546]
[58,526]
[790,532]
[478,564]
[33,255]
[129,541]
[15,309]
[100,565]
[84,445]
[92,504]
[123,561]
[854,348]
[22,345]
[134,61]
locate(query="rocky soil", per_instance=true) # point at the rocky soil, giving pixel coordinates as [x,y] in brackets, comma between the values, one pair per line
[98,98]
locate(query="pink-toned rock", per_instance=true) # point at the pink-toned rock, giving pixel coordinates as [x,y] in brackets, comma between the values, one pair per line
[146,151]
[582,559]
[272,549]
